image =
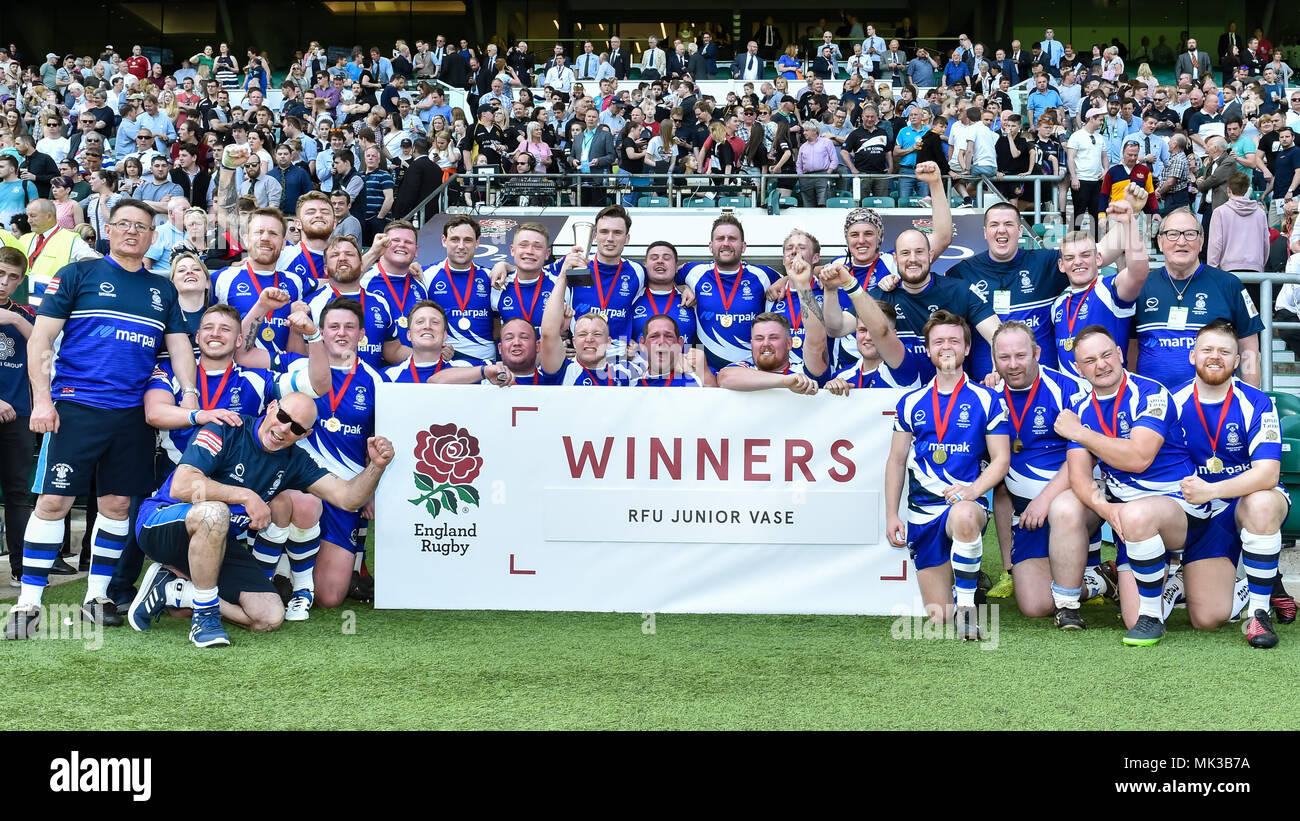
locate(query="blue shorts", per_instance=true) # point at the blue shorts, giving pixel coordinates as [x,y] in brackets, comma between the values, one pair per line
[163,536]
[115,446]
[928,541]
[1028,544]
[1221,537]
[344,528]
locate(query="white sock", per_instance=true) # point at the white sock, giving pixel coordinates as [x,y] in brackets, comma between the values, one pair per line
[1066,597]
[1094,584]
[180,593]
[966,557]
[107,539]
[1147,562]
[1259,555]
[1172,595]
[206,599]
[1241,597]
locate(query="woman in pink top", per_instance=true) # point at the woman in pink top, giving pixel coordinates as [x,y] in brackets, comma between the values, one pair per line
[532,143]
[68,212]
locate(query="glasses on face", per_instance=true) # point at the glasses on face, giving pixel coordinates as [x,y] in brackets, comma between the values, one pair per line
[1187,236]
[131,227]
[677,122]
[286,419]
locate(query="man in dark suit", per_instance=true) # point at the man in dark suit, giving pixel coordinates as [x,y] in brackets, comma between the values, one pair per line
[1193,61]
[618,58]
[422,176]
[559,52]
[594,153]
[695,65]
[1021,58]
[1231,49]
[454,71]
[709,53]
[480,83]
[769,38]
[748,65]
[677,59]
[522,61]
[1007,66]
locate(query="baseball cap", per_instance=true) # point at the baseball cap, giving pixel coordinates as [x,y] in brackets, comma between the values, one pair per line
[51,54]
[1095,112]
[1114,98]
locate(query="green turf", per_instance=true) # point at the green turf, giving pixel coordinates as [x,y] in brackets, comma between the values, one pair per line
[465,670]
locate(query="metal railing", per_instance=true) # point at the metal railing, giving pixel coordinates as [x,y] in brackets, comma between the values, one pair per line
[1266,281]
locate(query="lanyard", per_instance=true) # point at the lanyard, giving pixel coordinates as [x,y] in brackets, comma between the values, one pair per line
[727,300]
[415,375]
[609,380]
[249,267]
[537,290]
[1114,415]
[600,290]
[469,288]
[1071,317]
[654,306]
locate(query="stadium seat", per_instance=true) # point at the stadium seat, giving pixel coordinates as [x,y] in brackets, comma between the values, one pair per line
[913,202]
[1044,229]
[877,202]
[1291,427]
[1288,404]
[841,202]
[1291,526]
[653,202]
[954,201]
[1290,456]
[734,202]
[699,202]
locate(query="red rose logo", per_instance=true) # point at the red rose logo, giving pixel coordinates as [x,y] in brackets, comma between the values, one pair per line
[446,461]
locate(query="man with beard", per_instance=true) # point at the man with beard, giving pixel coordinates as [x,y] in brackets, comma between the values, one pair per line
[1099,300]
[1186,295]
[380,344]
[729,293]
[918,296]
[666,364]
[769,363]
[428,361]
[1129,426]
[1235,444]
[883,361]
[259,289]
[661,296]
[943,450]
[307,258]
[391,278]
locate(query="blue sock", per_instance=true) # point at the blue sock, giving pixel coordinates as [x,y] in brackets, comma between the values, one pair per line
[1259,555]
[1146,559]
[302,547]
[107,539]
[205,600]
[268,546]
[41,545]
[966,558]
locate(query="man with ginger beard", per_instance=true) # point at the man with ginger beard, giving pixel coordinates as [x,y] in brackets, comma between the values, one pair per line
[380,344]
[307,258]
[769,365]
[259,289]
[666,365]
[391,278]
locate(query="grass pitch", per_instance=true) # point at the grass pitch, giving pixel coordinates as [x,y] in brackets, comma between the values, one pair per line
[528,670]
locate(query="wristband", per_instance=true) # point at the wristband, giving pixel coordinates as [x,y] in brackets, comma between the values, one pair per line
[316,337]
[482,372]
[194,418]
[854,288]
[194,391]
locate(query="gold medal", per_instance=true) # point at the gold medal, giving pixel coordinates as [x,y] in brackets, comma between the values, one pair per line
[402,322]
[268,333]
[1214,464]
[1017,446]
[1068,344]
[939,456]
[796,342]
[333,425]
[463,324]
[725,320]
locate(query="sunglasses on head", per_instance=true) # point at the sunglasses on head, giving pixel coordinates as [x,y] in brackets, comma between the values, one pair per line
[286,419]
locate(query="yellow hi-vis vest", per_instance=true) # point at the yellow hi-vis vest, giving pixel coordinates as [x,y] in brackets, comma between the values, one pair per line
[56,254]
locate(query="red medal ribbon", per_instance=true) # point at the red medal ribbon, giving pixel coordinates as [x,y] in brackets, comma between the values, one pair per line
[248,266]
[1114,416]
[600,290]
[406,292]
[311,263]
[1017,421]
[1070,318]
[727,300]
[415,375]
[1223,414]
[796,317]
[469,288]
[360,296]
[941,422]
[609,380]
[654,306]
[645,381]
[537,290]
[206,403]
[336,400]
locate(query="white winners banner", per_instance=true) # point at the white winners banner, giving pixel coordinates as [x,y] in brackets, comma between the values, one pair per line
[637,500]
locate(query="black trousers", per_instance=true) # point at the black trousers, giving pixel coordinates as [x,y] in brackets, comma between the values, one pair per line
[16,461]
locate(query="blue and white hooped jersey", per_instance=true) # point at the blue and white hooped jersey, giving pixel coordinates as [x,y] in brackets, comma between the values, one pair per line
[1145,404]
[1042,451]
[308,265]
[471,288]
[409,372]
[1167,324]
[914,311]
[1022,288]
[620,287]
[976,413]
[677,380]
[1250,431]
[115,323]
[381,325]
[653,303]
[237,287]
[1098,304]
[523,300]
[613,375]
[343,451]
[907,375]
[868,276]
[790,306]
[725,307]
[245,391]
[401,292]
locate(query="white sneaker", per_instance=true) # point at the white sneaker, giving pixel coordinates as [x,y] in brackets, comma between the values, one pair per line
[299,606]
